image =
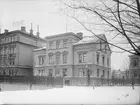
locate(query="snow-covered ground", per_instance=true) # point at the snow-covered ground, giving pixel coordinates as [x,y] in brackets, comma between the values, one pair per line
[74,95]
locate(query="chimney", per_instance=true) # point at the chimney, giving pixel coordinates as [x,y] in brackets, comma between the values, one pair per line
[80,35]
[5,31]
[37,31]
[23,28]
[31,30]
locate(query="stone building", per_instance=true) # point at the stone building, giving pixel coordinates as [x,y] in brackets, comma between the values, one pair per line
[16,51]
[118,74]
[134,66]
[94,54]
[70,55]
[59,55]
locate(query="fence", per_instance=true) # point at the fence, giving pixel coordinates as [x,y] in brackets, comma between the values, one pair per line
[60,81]
[39,80]
[84,81]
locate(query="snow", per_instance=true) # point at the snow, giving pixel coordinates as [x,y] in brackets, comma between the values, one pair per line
[74,95]
[41,48]
[88,39]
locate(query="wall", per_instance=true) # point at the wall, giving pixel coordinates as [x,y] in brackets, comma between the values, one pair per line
[27,40]
[25,55]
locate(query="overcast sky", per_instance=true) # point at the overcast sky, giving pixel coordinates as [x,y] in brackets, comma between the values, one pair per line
[46,14]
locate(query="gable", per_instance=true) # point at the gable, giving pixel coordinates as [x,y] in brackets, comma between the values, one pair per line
[103,45]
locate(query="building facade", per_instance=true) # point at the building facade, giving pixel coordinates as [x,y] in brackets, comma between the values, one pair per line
[118,74]
[16,51]
[134,66]
[93,54]
[59,55]
[70,55]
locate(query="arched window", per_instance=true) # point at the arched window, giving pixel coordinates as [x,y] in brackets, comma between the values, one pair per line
[57,57]
[65,57]
[134,62]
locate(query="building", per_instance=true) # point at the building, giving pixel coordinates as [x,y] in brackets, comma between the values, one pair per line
[59,55]
[94,54]
[134,65]
[118,74]
[16,51]
[71,55]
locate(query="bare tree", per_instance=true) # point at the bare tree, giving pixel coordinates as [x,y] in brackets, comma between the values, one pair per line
[119,18]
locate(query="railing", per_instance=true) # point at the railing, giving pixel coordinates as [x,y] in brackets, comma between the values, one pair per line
[70,81]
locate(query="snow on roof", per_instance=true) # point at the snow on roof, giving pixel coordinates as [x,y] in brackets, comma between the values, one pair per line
[41,48]
[88,39]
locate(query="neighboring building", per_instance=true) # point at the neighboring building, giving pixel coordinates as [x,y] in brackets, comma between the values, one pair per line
[16,51]
[118,74]
[40,61]
[134,65]
[94,54]
[70,55]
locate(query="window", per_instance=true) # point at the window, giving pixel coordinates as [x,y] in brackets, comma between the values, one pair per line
[57,59]
[12,38]
[5,50]
[41,72]
[134,62]
[107,61]
[82,57]
[108,74]
[57,72]
[50,73]
[64,72]
[103,73]
[57,44]
[135,74]
[103,60]
[11,72]
[97,58]
[11,61]
[80,72]
[84,72]
[9,39]
[41,60]
[51,45]
[50,59]
[65,44]
[65,57]
[4,61]
[97,72]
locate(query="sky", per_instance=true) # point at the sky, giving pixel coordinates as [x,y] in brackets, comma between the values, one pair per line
[51,21]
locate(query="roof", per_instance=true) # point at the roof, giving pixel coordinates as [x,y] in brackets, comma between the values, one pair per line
[23,32]
[62,34]
[41,48]
[88,39]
